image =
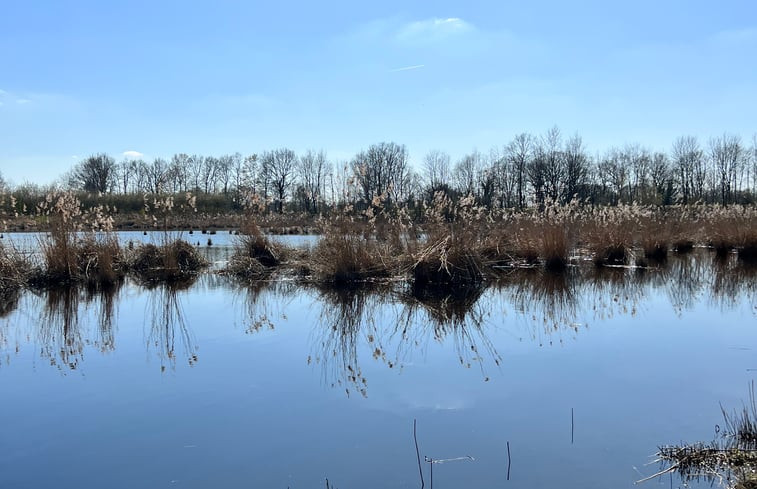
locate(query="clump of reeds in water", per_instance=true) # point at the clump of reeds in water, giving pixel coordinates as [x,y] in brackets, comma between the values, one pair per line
[350,250]
[653,237]
[730,459]
[548,236]
[72,255]
[451,254]
[732,228]
[255,256]
[172,261]
[608,233]
[14,274]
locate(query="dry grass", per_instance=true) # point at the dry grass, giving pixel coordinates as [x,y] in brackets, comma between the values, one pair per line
[609,234]
[455,251]
[14,270]
[653,237]
[174,261]
[255,256]
[343,258]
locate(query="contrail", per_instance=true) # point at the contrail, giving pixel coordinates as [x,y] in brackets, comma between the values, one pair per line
[406,68]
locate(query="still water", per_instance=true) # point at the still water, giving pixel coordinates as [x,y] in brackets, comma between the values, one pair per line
[286,385]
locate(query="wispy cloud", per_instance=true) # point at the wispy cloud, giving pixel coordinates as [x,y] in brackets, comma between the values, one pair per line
[736,36]
[406,68]
[432,30]
[22,101]
[132,155]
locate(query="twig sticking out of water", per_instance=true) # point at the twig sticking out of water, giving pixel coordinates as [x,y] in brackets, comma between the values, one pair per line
[571,426]
[418,453]
[509,461]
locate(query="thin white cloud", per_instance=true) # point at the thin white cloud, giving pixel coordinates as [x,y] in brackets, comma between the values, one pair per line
[406,68]
[132,155]
[23,101]
[736,36]
[433,30]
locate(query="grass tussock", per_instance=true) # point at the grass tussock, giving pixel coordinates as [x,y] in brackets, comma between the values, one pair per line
[344,258]
[71,255]
[174,261]
[730,459]
[14,274]
[733,229]
[653,237]
[255,256]
[453,253]
[608,234]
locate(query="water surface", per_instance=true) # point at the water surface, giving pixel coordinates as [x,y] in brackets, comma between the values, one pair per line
[285,385]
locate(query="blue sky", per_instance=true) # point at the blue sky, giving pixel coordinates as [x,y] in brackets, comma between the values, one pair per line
[161,77]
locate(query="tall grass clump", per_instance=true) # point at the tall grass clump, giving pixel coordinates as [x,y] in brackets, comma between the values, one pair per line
[14,273]
[608,233]
[451,254]
[79,246]
[653,236]
[548,236]
[173,260]
[350,250]
[255,256]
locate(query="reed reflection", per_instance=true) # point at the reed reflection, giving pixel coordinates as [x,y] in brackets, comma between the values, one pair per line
[169,333]
[63,336]
[391,324]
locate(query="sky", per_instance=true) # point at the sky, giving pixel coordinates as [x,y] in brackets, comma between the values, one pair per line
[154,78]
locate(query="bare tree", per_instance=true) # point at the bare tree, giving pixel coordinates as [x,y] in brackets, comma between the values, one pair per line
[613,173]
[661,179]
[179,172]
[690,170]
[312,171]
[382,171]
[95,174]
[158,175]
[280,167]
[727,156]
[436,169]
[576,170]
[466,173]
[519,153]
[196,166]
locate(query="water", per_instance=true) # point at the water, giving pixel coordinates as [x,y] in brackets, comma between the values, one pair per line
[282,385]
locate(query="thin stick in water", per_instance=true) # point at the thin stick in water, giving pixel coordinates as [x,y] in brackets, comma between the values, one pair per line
[418,453]
[508,460]
[571,426]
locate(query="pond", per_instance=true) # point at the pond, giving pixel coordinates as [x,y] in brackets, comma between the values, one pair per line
[280,384]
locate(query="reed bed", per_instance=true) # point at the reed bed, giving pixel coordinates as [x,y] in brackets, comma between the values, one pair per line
[448,242]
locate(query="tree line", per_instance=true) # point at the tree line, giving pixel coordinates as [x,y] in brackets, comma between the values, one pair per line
[529,170]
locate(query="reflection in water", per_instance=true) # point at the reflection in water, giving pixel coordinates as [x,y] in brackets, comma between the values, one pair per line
[9,299]
[389,324]
[167,322]
[62,336]
[393,322]
[262,302]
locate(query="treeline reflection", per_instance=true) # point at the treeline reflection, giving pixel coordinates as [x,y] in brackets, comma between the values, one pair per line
[389,324]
